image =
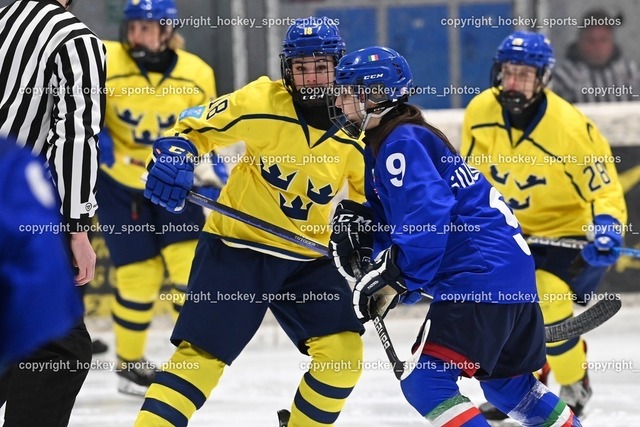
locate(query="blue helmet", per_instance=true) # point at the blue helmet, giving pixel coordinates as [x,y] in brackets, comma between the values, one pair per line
[375,80]
[526,48]
[309,37]
[313,36]
[150,10]
[523,48]
[376,67]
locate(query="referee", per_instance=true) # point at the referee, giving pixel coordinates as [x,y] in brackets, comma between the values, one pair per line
[52,99]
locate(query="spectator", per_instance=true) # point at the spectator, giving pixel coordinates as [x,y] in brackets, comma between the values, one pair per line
[594,69]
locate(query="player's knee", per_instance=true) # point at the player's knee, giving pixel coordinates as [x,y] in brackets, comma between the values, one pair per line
[556,298]
[140,281]
[339,353]
[429,385]
[507,393]
[195,366]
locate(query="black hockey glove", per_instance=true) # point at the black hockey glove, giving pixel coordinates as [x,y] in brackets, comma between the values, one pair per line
[379,290]
[350,237]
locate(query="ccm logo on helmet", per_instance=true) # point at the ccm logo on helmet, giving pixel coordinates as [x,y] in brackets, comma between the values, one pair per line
[372,76]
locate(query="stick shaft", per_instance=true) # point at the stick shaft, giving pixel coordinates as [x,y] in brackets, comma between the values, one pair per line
[283,233]
[577,244]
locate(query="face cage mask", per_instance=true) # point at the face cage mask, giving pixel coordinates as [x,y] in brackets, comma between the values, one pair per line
[307,96]
[357,97]
[514,101]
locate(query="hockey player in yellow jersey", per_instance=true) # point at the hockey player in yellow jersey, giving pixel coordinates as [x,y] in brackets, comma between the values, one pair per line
[149,80]
[296,162]
[556,171]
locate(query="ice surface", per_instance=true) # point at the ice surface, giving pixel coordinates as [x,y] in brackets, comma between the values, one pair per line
[265,377]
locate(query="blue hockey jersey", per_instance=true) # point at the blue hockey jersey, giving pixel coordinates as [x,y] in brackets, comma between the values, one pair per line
[458,241]
[38,300]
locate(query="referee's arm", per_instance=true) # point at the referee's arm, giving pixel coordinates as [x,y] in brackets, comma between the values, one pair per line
[78,74]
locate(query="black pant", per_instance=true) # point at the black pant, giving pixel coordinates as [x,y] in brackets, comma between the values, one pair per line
[41,390]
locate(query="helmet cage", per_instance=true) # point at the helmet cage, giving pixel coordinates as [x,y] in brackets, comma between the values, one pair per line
[522,48]
[313,37]
[362,102]
[311,95]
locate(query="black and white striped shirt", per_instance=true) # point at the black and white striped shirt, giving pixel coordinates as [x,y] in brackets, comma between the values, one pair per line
[52,96]
[577,81]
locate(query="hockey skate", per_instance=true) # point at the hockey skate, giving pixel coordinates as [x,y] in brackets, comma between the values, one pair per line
[577,395]
[98,347]
[135,376]
[491,413]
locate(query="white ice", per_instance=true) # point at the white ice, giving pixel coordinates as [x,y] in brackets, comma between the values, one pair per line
[265,376]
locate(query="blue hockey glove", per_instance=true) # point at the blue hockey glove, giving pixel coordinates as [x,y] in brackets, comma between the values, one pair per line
[607,235]
[211,176]
[105,148]
[350,237]
[379,290]
[170,173]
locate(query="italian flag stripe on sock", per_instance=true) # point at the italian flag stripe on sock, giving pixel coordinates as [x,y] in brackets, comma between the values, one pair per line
[453,412]
[560,417]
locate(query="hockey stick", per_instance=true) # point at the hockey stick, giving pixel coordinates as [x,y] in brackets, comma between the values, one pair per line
[251,220]
[381,329]
[577,244]
[401,369]
[589,319]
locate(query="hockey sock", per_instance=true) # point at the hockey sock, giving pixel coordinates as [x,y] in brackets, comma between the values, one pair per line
[566,358]
[529,402]
[178,295]
[181,388]
[432,390]
[335,368]
[178,258]
[137,287]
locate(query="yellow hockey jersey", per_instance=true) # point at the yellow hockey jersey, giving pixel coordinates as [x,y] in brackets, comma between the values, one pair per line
[556,176]
[140,107]
[289,173]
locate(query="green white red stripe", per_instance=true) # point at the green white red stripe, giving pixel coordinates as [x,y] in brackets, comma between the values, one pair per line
[453,412]
[560,417]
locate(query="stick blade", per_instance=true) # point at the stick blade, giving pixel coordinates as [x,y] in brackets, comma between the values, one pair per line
[590,319]
[283,417]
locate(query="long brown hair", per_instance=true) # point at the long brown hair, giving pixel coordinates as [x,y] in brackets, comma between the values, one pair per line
[405,114]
